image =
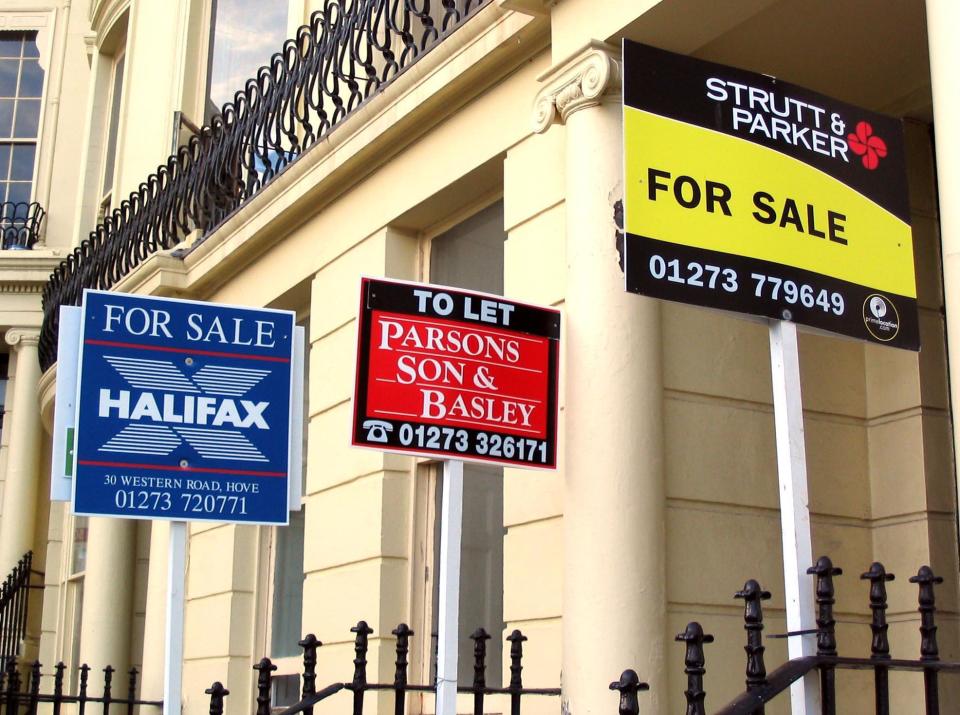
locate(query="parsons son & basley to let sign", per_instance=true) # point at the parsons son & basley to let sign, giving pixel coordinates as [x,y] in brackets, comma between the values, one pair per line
[445,372]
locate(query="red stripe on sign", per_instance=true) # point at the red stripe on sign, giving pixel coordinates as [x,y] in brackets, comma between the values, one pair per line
[170,468]
[163,349]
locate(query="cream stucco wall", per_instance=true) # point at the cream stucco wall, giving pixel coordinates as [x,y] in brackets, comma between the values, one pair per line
[452,134]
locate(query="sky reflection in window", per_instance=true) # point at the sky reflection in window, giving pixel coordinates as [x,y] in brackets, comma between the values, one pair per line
[246,34]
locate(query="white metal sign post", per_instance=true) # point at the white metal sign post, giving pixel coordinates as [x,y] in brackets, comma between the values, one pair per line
[794,506]
[451,523]
[173,635]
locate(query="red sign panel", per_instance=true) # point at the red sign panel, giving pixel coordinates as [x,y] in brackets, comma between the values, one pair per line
[443,372]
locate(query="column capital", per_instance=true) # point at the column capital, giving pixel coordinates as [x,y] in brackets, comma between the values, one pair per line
[582,80]
[22,337]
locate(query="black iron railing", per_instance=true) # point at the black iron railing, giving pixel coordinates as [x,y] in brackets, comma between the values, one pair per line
[23,695]
[20,225]
[762,688]
[400,686]
[350,50]
[14,606]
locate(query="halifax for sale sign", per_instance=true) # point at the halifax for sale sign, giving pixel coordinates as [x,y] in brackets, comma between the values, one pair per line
[456,374]
[183,410]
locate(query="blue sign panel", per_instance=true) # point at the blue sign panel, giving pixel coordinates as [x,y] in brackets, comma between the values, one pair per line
[183,410]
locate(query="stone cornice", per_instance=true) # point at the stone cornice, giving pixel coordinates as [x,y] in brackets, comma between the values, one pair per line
[536,8]
[22,337]
[27,272]
[583,80]
[20,287]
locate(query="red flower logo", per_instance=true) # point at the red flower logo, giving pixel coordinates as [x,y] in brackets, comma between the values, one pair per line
[867,145]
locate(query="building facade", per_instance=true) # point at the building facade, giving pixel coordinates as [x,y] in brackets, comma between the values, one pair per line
[471,143]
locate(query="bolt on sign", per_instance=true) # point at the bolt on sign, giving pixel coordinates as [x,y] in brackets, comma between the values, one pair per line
[186,410]
[757,196]
[452,373]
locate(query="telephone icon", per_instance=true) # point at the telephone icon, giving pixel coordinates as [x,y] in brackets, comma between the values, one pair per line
[377,430]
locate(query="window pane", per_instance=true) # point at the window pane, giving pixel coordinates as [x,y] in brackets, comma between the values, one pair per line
[28,118]
[22,167]
[4,161]
[481,578]
[7,211]
[19,191]
[75,614]
[8,77]
[4,366]
[10,43]
[470,255]
[31,79]
[287,604]
[3,386]
[240,47]
[23,208]
[111,156]
[79,560]
[30,48]
[6,117]
[481,568]
[286,691]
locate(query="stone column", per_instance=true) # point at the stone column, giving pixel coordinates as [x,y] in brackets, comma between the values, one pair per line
[614,597]
[105,632]
[18,521]
[154,629]
[943,17]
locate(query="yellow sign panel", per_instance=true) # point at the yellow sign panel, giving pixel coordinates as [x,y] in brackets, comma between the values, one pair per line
[695,186]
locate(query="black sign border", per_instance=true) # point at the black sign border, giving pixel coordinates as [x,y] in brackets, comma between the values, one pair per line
[651,76]
[639,249]
[397,297]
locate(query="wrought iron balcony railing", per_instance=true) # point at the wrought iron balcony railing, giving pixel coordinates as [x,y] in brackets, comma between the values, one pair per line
[14,603]
[20,225]
[350,51]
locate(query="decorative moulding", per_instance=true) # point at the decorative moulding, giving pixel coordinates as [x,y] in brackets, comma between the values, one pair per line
[583,80]
[104,13]
[22,337]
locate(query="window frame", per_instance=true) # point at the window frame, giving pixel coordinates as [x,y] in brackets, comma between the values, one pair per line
[427,475]
[44,24]
[427,498]
[105,194]
[104,49]
[72,605]
[4,387]
[267,555]
[267,547]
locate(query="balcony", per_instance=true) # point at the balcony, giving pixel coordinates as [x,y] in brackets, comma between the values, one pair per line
[20,225]
[334,65]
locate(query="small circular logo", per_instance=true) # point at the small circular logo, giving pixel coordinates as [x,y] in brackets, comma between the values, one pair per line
[878,307]
[881,317]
